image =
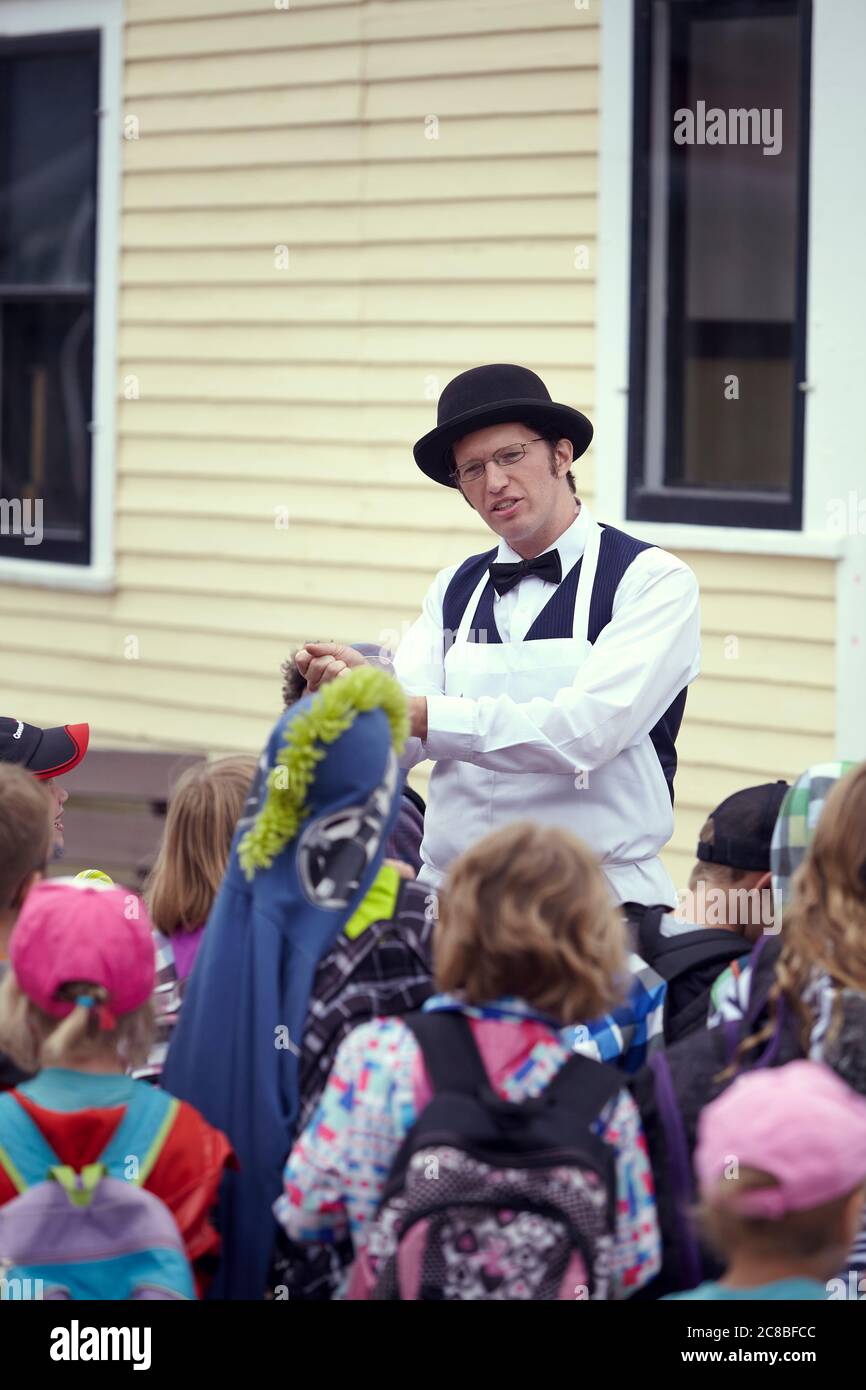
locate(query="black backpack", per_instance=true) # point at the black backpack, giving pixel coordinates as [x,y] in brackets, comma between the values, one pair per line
[690,962]
[493,1200]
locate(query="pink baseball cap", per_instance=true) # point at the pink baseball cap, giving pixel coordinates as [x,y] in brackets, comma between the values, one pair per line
[82,929]
[800,1124]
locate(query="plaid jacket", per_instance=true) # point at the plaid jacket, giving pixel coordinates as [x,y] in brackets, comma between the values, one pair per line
[386,970]
[629,1035]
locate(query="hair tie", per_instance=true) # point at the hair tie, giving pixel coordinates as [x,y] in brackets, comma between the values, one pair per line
[104,1016]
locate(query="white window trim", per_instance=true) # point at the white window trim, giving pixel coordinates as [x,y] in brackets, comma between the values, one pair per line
[833,462]
[19,19]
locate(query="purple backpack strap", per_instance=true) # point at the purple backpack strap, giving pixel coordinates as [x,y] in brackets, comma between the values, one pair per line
[680,1168]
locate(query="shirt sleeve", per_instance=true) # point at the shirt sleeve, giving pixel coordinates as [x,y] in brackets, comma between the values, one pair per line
[352,1138]
[637,1241]
[645,655]
[419,662]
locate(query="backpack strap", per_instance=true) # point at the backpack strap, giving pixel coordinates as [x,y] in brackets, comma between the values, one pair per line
[673,956]
[450,1052]
[27,1157]
[25,1154]
[585,1085]
[460,589]
[679,1169]
[454,1064]
[141,1134]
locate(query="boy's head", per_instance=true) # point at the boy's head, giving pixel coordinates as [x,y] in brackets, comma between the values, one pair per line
[730,883]
[526,911]
[25,841]
[781,1165]
[82,977]
[48,754]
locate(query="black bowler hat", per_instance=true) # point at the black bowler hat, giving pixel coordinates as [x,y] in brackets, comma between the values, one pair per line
[490,396]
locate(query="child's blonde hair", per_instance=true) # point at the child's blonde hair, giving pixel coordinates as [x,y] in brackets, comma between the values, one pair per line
[204,809]
[34,1039]
[798,1235]
[527,911]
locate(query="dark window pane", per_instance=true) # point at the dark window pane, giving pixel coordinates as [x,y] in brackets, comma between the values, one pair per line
[47,355]
[48,146]
[738,275]
[49,93]
[721,161]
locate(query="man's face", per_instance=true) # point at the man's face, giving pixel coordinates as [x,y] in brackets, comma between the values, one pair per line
[524,500]
[59,797]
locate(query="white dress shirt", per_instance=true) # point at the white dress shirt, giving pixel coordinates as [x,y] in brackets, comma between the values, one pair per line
[515,753]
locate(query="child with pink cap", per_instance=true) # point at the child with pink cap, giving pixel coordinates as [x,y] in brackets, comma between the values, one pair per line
[781,1165]
[76,1008]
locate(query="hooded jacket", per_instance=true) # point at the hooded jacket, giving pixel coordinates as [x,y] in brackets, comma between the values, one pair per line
[305,853]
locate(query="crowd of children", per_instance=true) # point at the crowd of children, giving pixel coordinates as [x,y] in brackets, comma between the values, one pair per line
[290,1071]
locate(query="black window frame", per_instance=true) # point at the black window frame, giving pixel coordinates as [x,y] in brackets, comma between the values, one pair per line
[78,554]
[729,508]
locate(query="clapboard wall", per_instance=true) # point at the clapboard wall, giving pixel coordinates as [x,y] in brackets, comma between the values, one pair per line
[330,209]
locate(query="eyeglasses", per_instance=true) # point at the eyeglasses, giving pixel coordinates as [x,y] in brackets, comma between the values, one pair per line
[504,458]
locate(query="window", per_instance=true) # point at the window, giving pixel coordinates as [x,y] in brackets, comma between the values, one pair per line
[717,359]
[49,100]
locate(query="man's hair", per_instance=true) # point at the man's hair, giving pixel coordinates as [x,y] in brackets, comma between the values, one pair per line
[543,431]
[527,911]
[797,1235]
[26,831]
[204,809]
[294,684]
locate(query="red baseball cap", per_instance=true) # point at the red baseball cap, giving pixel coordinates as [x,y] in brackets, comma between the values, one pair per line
[82,929]
[46,753]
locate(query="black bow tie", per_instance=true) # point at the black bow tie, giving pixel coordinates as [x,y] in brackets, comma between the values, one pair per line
[547,566]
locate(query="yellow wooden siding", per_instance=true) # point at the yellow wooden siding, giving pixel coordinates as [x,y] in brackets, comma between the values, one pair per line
[249,394]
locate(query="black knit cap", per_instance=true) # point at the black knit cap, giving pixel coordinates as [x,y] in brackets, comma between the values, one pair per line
[743,828]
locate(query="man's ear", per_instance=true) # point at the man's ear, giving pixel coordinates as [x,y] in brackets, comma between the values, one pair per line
[24,888]
[564,456]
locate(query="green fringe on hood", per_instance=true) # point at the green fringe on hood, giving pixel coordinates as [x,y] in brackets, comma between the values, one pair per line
[333,711]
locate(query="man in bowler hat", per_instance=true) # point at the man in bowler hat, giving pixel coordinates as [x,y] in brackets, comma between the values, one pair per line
[547,676]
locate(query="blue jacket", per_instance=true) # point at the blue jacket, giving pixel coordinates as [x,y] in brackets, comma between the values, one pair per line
[235,1051]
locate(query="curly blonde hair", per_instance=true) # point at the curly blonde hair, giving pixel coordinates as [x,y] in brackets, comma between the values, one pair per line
[527,911]
[825,925]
